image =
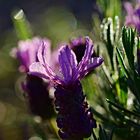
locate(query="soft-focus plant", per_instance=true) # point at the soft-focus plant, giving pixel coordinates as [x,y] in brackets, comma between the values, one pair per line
[113,90]
[120,111]
[110,8]
[35,89]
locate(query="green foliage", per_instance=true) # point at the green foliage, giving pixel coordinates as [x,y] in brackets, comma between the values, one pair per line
[110,36]
[128,40]
[110,8]
[123,81]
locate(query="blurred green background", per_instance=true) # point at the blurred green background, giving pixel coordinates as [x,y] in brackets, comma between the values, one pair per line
[60,21]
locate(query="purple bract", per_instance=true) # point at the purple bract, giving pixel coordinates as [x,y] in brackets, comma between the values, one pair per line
[27,52]
[133,15]
[70,69]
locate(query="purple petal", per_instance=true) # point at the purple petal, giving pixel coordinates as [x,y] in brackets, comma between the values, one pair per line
[94,62]
[33,48]
[89,48]
[54,60]
[88,62]
[23,57]
[77,42]
[68,64]
[39,70]
[130,13]
[87,55]
[27,52]
[129,8]
[44,52]
[46,72]
[24,52]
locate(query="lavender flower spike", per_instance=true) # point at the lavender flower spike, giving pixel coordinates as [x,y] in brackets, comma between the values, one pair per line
[36,90]
[27,52]
[75,120]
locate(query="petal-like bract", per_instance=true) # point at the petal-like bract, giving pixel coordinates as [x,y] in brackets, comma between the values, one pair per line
[70,69]
[68,64]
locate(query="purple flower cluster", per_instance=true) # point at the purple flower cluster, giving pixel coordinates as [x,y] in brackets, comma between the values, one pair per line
[36,90]
[26,52]
[70,69]
[133,15]
[74,119]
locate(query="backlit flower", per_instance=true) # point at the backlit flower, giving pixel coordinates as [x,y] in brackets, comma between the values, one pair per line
[26,52]
[70,69]
[75,119]
[37,91]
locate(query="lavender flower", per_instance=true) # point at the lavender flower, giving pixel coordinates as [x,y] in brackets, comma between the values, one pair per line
[36,90]
[75,119]
[133,15]
[27,52]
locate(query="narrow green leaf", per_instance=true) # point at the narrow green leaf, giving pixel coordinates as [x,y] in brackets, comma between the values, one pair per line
[21,24]
[121,62]
[102,134]
[122,109]
[117,115]
[102,117]
[128,40]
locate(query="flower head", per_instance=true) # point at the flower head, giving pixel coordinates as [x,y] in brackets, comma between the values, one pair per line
[27,52]
[133,15]
[36,90]
[70,69]
[75,120]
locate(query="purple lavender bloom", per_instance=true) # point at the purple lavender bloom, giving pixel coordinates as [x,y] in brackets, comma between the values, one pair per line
[70,69]
[27,52]
[36,90]
[75,119]
[133,15]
